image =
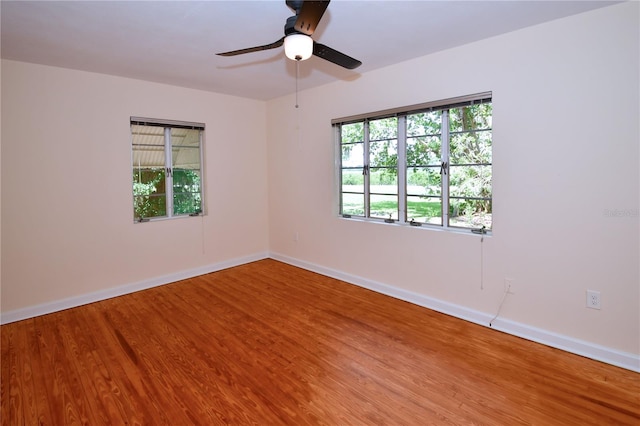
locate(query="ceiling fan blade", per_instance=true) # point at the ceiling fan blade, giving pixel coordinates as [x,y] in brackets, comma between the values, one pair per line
[310,14]
[253,49]
[338,58]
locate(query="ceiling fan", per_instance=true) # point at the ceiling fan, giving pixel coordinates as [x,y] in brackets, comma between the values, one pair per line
[298,44]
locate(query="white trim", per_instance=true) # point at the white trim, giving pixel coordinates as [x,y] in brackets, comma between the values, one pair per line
[594,351]
[72,302]
[604,354]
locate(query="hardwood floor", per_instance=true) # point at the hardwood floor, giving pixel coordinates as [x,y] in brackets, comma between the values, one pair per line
[268,344]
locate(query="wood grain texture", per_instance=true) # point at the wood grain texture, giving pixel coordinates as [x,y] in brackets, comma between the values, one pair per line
[270,344]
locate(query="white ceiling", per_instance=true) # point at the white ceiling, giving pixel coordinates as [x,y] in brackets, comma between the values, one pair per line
[175,42]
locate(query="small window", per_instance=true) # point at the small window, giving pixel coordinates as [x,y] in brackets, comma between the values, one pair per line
[425,164]
[167,168]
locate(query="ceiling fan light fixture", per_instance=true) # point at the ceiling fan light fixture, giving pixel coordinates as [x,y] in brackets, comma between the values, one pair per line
[298,47]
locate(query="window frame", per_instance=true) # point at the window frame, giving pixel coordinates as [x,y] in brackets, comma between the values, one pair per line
[168,148]
[401,168]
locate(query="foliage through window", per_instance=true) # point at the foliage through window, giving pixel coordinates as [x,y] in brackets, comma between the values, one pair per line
[427,164]
[167,168]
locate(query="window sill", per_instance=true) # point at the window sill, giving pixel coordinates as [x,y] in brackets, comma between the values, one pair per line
[164,218]
[436,228]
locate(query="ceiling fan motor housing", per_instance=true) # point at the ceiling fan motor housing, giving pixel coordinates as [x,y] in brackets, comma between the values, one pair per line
[289,26]
[295,5]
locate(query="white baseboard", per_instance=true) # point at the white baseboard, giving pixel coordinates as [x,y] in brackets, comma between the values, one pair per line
[590,350]
[72,302]
[625,360]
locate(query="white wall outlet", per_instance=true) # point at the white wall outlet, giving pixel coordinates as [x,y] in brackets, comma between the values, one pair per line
[593,299]
[296,236]
[508,286]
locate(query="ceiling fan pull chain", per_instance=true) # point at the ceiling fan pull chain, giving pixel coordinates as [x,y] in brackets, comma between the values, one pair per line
[297,65]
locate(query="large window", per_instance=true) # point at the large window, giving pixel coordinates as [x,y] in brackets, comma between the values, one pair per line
[424,164]
[167,168]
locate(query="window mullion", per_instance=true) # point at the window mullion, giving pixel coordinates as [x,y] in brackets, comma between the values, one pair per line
[366,171]
[402,169]
[445,169]
[168,161]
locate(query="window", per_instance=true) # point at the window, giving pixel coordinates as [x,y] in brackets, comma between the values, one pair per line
[424,164]
[167,168]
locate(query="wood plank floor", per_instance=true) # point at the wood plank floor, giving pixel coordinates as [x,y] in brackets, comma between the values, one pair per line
[269,344]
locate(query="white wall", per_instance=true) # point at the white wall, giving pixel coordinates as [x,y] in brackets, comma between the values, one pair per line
[67,221]
[566,150]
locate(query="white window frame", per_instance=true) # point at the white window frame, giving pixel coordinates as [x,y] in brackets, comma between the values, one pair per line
[168,165]
[401,114]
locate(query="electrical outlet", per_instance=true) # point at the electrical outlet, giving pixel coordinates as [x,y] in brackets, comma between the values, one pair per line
[508,286]
[296,236]
[593,299]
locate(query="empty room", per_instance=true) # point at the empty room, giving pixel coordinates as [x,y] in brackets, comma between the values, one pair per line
[313,212]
